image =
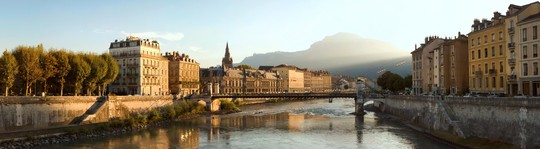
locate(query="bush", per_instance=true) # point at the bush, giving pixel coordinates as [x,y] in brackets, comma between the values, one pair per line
[228,106]
[170,112]
[154,115]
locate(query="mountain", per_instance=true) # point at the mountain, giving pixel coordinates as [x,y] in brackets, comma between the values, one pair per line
[341,53]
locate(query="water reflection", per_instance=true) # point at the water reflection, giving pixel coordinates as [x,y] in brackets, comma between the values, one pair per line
[313,124]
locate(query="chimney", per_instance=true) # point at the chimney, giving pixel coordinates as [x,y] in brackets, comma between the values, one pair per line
[476,22]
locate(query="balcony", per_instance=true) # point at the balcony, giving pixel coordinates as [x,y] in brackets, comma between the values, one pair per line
[151,75]
[511,30]
[512,45]
[126,55]
[512,77]
[492,71]
[478,73]
[151,65]
[512,61]
[132,65]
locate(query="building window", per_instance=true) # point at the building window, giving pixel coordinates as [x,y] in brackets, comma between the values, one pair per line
[473,83]
[479,82]
[492,51]
[494,82]
[524,33]
[500,35]
[485,53]
[479,54]
[535,68]
[525,69]
[500,50]
[501,66]
[501,82]
[478,40]
[473,69]
[535,50]
[472,42]
[485,68]
[487,82]
[485,39]
[472,53]
[524,51]
[511,38]
[535,33]
[493,66]
[493,37]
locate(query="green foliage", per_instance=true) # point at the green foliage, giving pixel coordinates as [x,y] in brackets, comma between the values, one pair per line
[97,72]
[154,115]
[49,66]
[237,102]
[244,66]
[29,65]
[112,71]
[63,67]
[169,112]
[391,81]
[8,71]
[78,73]
[226,105]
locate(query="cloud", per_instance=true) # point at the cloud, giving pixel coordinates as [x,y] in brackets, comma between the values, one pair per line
[172,36]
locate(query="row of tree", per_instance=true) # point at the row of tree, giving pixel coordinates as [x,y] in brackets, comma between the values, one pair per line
[28,70]
[394,82]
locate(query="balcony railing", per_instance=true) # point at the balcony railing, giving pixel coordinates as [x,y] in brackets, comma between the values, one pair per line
[151,65]
[478,73]
[512,77]
[492,71]
[151,75]
[512,45]
[512,61]
[132,65]
[511,30]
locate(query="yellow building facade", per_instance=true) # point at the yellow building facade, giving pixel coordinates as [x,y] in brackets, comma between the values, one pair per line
[487,56]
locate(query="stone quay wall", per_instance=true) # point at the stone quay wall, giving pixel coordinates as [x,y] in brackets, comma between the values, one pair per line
[21,113]
[511,120]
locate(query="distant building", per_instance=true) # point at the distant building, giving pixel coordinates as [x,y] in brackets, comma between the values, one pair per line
[318,81]
[293,76]
[228,80]
[452,67]
[227,61]
[183,74]
[143,71]
[423,72]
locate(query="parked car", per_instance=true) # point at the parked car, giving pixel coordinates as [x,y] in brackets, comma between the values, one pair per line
[520,96]
[492,95]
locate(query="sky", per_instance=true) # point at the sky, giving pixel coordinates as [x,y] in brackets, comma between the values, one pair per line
[201,28]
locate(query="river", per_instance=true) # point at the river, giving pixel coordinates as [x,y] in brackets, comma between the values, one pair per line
[300,124]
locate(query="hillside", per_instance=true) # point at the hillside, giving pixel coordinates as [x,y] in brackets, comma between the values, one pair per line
[341,53]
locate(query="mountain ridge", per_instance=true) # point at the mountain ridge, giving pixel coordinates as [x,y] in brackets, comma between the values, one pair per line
[341,53]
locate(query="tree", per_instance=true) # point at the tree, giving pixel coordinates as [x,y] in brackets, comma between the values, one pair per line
[112,71]
[8,70]
[29,66]
[407,81]
[390,81]
[49,65]
[63,67]
[78,72]
[98,71]
[244,66]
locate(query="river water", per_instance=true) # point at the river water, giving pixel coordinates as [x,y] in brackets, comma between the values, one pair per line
[298,125]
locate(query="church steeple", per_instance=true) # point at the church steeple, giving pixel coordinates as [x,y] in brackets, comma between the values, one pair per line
[227,61]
